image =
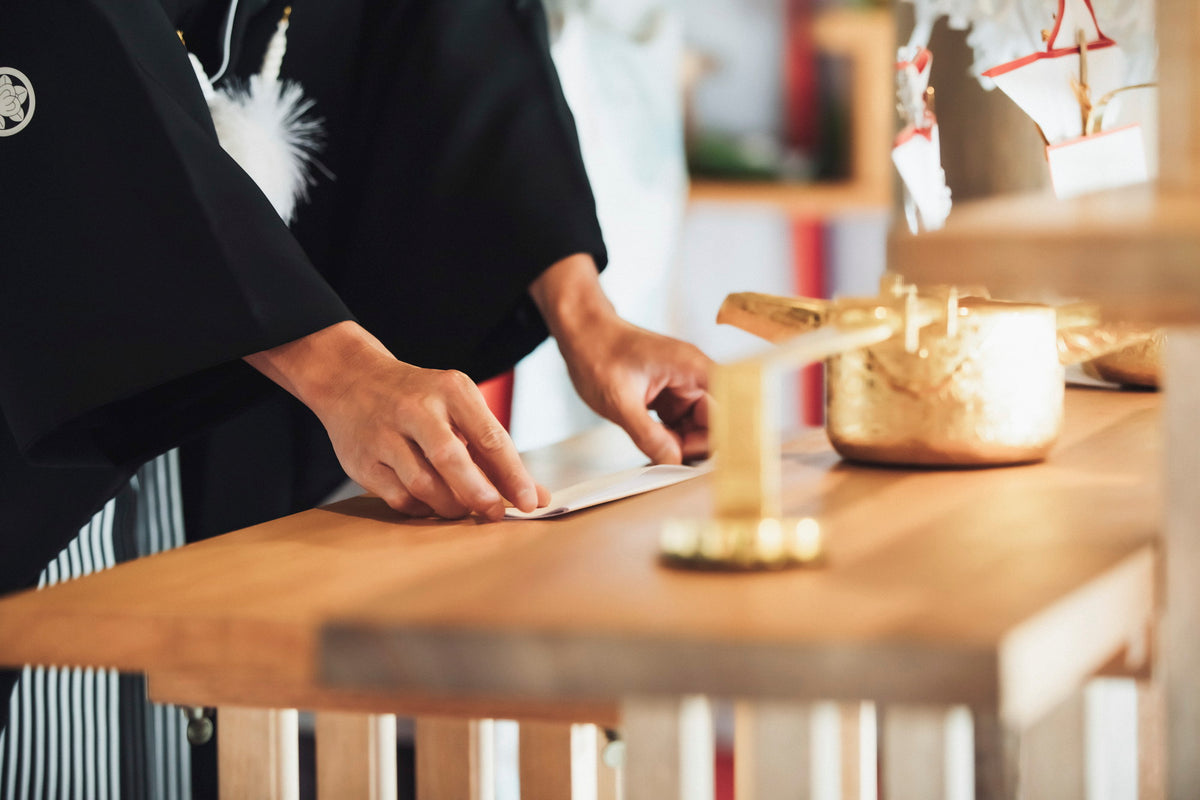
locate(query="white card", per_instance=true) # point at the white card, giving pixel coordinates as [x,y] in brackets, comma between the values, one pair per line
[1041,86]
[617,486]
[1104,160]
[918,158]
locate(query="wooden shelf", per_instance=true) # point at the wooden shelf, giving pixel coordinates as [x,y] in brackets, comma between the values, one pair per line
[799,199]
[1133,250]
[865,38]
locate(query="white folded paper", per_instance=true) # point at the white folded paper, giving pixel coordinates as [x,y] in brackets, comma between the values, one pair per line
[617,486]
[1104,160]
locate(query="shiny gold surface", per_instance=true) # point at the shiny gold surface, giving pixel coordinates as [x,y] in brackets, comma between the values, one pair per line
[742,543]
[991,394]
[934,378]
[772,317]
[980,384]
[1139,364]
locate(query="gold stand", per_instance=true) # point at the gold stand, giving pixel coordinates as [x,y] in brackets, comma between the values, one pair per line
[749,531]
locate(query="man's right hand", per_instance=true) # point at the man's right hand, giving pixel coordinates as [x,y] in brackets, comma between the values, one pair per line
[423,440]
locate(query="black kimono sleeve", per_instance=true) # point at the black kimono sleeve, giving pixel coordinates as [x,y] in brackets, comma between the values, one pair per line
[139,262]
[459,179]
[459,173]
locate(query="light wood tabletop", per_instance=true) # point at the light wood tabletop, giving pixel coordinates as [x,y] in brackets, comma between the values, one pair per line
[1002,587]
[992,586]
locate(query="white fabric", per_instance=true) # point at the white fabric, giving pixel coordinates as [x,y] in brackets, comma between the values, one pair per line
[1005,30]
[618,63]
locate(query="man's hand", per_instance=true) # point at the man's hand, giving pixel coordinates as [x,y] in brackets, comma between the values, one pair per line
[423,440]
[622,371]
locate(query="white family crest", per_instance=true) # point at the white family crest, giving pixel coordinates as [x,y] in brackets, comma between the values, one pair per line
[16,101]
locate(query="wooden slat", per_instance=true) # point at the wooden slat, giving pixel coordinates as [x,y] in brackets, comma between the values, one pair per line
[447,759]
[258,754]
[1152,742]
[1179,95]
[854,754]
[651,732]
[545,761]
[913,745]
[669,749]
[1052,754]
[356,756]
[608,775]
[1180,645]
[772,751]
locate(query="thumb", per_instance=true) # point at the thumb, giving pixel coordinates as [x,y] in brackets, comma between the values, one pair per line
[650,436]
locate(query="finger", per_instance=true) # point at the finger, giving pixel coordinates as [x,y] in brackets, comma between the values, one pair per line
[650,436]
[694,445]
[425,482]
[493,449]
[543,496]
[677,406]
[381,480]
[452,464]
[701,410]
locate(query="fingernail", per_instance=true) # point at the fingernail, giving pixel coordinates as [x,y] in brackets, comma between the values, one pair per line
[527,499]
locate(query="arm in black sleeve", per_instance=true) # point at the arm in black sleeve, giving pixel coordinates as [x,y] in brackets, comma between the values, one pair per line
[140,262]
[459,175]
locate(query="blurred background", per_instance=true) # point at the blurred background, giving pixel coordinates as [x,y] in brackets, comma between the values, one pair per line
[719,138]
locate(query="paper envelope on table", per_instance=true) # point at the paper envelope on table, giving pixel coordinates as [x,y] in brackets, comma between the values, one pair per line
[617,486]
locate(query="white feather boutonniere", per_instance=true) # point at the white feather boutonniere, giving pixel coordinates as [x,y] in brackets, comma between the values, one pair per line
[265,126]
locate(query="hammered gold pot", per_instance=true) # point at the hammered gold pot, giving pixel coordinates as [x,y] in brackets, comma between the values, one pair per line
[991,393]
[980,385]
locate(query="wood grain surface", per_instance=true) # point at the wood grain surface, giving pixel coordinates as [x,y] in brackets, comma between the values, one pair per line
[930,576]
[987,586]
[1133,250]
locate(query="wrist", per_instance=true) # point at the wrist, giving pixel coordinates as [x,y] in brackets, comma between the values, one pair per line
[316,368]
[570,297]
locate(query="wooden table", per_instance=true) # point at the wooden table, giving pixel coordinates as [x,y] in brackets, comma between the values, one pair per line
[999,589]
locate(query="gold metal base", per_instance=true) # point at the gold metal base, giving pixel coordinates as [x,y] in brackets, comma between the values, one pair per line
[742,544]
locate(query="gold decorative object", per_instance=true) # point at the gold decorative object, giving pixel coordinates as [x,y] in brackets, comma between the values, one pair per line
[944,377]
[1139,364]
[749,530]
[984,388]
[981,387]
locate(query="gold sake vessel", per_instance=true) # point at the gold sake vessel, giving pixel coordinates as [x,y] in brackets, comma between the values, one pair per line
[981,384]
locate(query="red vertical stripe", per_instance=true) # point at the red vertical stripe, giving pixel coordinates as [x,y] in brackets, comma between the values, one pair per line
[498,394]
[801,101]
